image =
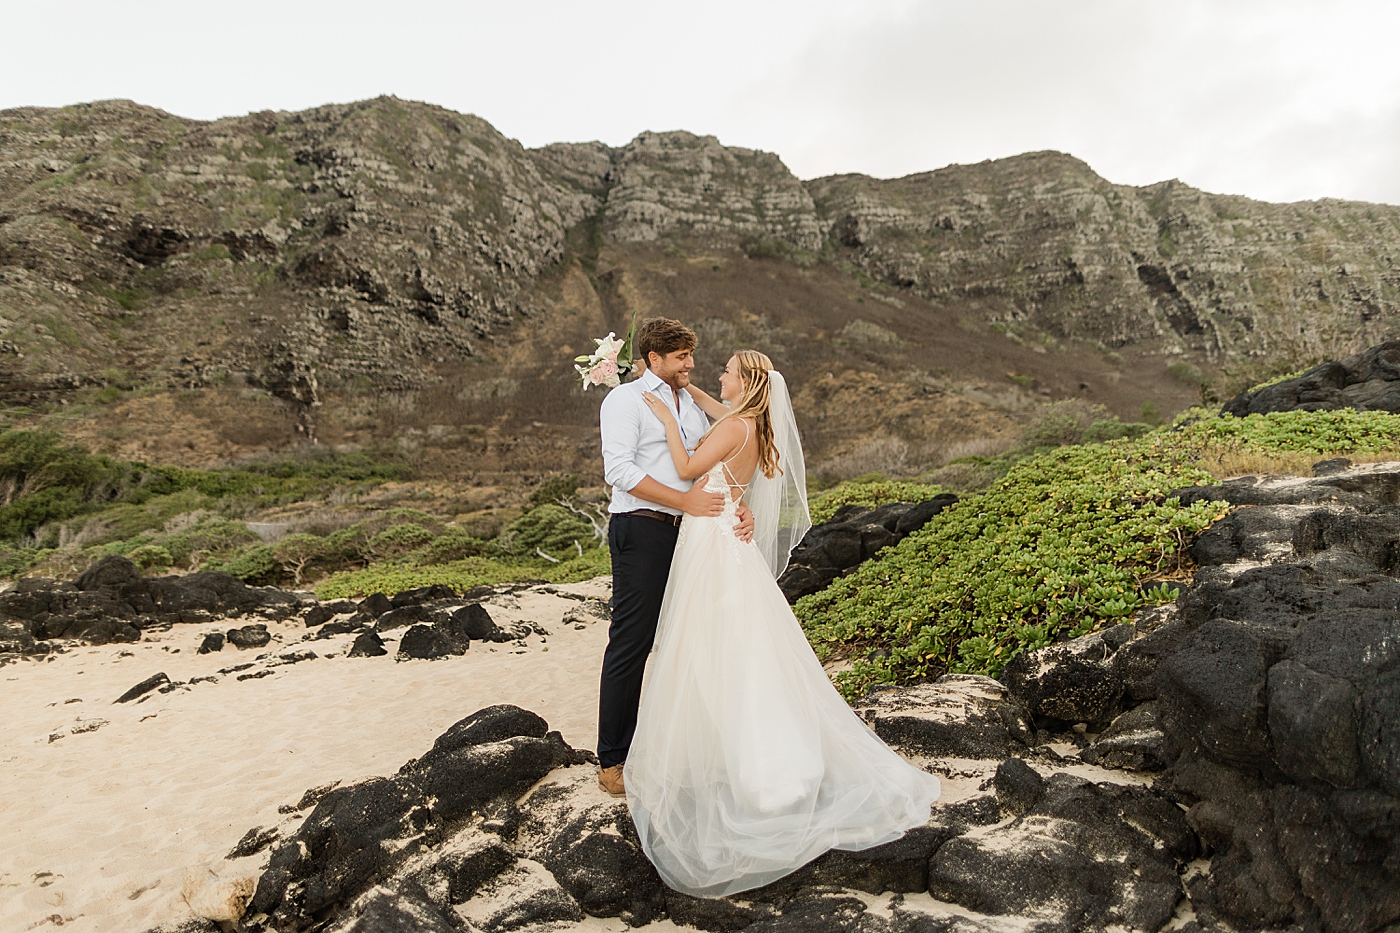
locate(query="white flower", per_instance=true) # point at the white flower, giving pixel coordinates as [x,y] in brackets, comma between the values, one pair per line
[609,347]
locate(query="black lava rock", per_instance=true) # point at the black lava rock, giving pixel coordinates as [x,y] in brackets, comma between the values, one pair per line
[1084,857]
[1369,381]
[491,724]
[360,834]
[1071,682]
[475,622]
[111,601]
[422,594]
[249,636]
[406,615]
[367,645]
[214,641]
[253,842]
[1277,688]
[1134,741]
[144,687]
[374,605]
[854,534]
[426,642]
[396,912]
[1018,786]
[339,627]
[956,716]
[322,613]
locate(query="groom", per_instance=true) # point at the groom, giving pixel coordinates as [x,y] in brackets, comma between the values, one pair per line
[648,497]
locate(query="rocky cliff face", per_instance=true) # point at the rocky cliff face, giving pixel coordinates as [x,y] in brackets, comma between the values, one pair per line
[682,186]
[1043,240]
[352,240]
[361,273]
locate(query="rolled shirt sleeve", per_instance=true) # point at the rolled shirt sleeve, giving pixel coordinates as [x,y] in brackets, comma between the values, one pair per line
[619,422]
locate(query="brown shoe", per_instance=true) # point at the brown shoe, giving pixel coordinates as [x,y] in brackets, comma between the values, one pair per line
[610,780]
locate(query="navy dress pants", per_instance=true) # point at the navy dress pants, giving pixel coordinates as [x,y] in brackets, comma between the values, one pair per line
[641,561]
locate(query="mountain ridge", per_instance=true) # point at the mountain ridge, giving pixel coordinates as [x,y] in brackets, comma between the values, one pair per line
[382,270]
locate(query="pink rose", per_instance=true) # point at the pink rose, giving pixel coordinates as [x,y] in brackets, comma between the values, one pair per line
[596,376]
[607,368]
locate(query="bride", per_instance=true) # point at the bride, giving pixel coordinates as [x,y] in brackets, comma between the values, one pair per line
[747,764]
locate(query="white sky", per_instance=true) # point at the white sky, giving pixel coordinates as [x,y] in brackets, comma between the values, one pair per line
[1279,100]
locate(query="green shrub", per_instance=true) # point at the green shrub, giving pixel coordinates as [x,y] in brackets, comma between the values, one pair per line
[150,557]
[44,482]
[14,561]
[404,516]
[216,536]
[1063,544]
[294,552]
[462,575]
[252,564]
[1185,372]
[556,487]
[868,494]
[397,540]
[1072,421]
[549,528]
[349,544]
[452,545]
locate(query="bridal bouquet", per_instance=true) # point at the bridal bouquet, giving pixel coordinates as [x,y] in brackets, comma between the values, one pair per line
[610,363]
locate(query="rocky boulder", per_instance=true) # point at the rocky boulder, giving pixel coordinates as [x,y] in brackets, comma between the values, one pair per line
[1266,697]
[1277,701]
[956,716]
[428,642]
[1368,381]
[249,636]
[113,602]
[1085,856]
[377,831]
[854,534]
[494,829]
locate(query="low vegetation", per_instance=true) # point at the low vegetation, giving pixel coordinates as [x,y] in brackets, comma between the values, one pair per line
[63,508]
[1075,531]
[1067,541]
[868,491]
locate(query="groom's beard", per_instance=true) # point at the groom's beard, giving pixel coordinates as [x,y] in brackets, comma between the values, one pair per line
[677,380]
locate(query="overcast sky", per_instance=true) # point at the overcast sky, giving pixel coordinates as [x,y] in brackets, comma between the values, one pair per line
[1280,100]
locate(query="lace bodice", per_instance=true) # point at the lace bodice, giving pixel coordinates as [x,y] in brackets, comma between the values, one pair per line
[715,481]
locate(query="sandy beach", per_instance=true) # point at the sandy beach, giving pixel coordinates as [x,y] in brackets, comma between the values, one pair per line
[119,816]
[113,811]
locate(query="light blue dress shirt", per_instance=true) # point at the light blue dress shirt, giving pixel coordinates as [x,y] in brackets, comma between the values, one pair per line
[634,441]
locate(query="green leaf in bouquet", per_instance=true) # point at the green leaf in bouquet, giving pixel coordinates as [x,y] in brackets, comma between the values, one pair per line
[624,356]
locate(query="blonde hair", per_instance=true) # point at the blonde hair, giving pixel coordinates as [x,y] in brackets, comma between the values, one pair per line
[754,368]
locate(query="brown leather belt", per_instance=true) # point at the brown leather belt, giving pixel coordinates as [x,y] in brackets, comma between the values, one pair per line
[666,517]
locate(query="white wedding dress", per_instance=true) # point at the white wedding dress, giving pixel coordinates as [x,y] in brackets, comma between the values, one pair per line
[746,763]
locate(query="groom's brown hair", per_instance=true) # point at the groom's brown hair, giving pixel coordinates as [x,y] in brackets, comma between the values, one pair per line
[662,336]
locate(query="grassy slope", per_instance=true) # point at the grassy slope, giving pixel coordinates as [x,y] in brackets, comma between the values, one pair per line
[1066,542]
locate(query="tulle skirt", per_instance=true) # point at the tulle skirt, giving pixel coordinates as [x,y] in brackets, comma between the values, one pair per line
[746,763]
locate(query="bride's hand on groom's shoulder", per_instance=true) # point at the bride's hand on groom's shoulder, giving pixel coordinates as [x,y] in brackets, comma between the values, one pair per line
[744,530]
[659,407]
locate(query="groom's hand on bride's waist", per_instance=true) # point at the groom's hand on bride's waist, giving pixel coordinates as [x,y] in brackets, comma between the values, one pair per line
[702,504]
[744,530]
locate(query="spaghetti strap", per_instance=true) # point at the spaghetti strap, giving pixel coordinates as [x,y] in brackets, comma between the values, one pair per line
[724,464]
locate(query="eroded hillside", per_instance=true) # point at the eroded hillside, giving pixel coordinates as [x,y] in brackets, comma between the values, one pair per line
[389,272]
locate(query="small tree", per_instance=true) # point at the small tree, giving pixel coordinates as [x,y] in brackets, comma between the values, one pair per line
[556,487]
[400,539]
[294,552]
[150,557]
